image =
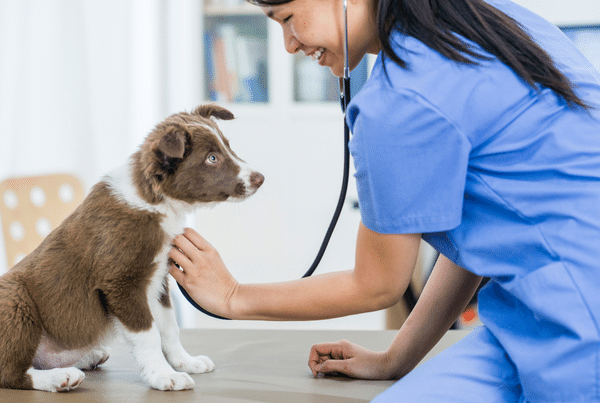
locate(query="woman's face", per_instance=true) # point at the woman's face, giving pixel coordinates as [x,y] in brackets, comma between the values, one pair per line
[316,27]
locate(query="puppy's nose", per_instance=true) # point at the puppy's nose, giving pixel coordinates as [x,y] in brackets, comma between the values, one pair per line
[256,179]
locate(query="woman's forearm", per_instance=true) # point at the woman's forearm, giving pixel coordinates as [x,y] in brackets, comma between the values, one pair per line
[383,267]
[319,297]
[446,294]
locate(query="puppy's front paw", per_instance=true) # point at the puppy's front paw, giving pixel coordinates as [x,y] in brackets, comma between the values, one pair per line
[56,380]
[171,381]
[195,365]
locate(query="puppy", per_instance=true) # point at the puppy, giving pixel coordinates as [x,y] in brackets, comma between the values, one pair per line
[105,266]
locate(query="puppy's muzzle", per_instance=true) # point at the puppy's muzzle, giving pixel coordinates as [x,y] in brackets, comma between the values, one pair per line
[256,180]
[249,184]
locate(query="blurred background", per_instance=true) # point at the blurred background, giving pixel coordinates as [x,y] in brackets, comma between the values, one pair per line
[82,82]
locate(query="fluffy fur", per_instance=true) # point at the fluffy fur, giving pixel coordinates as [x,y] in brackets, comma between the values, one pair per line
[105,266]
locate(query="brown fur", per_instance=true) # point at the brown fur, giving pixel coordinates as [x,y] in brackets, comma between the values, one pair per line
[98,263]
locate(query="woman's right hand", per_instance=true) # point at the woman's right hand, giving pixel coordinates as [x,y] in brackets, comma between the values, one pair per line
[202,273]
[344,357]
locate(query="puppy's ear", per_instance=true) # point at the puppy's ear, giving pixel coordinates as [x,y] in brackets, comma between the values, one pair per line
[171,147]
[173,142]
[212,110]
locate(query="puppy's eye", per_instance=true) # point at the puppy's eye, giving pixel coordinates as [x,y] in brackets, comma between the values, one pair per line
[212,159]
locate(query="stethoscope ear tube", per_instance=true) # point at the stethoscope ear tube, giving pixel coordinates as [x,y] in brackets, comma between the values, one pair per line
[345,99]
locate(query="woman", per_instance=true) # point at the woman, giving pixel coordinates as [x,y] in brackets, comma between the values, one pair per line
[478,132]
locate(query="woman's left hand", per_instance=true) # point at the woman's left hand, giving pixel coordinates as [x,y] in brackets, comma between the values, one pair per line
[344,357]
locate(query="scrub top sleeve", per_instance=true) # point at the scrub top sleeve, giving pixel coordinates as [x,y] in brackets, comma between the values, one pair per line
[411,163]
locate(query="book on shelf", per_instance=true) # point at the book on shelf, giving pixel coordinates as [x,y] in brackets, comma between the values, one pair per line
[235,65]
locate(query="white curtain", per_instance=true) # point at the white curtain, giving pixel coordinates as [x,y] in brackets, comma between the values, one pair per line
[81,82]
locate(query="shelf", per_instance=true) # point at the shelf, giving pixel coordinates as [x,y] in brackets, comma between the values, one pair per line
[236,57]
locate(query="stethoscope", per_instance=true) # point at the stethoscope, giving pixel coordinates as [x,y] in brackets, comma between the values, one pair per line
[344,100]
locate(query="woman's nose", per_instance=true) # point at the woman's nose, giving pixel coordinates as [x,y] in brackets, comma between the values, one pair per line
[291,43]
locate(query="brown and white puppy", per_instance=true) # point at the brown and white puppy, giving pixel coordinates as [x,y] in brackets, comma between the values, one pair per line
[105,266]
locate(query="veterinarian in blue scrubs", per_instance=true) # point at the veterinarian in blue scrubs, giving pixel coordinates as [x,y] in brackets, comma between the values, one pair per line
[493,157]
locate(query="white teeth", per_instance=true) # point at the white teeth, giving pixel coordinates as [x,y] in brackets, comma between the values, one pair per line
[317,54]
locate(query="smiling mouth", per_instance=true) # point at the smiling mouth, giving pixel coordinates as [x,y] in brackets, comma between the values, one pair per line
[318,54]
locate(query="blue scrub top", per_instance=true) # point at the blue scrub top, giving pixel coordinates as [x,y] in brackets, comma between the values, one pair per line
[502,179]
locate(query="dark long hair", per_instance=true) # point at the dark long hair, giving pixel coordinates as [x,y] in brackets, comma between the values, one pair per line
[434,22]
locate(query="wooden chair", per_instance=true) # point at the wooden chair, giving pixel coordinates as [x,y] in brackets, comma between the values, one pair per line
[31,207]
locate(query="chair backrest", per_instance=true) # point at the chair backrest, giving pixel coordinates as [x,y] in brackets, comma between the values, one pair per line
[31,207]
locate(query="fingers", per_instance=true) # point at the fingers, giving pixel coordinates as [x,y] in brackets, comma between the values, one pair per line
[177,255]
[183,245]
[321,350]
[196,239]
[327,358]
[187,247]
[333,367]
[176,273]
[187,252]
[338,350]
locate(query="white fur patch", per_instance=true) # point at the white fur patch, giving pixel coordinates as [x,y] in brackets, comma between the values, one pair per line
[121,183]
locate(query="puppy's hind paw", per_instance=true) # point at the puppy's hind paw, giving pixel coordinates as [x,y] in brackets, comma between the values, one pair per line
[171,381]
[56,380]
[93,359]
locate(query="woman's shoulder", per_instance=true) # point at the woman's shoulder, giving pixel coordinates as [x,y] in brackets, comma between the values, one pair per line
[463,93]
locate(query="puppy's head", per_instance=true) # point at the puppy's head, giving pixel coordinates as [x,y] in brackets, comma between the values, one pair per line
[187,158]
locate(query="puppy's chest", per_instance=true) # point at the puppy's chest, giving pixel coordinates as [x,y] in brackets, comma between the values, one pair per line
[172,225]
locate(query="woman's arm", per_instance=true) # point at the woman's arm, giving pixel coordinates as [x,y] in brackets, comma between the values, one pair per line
[446,294]
[383,268]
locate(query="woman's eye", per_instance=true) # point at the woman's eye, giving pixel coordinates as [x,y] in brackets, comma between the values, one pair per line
[286,19]
[212,159]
